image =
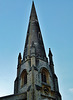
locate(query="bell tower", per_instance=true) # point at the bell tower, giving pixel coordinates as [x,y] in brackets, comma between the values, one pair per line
[35,75]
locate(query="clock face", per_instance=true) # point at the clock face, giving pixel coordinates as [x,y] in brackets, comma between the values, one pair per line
[46,90]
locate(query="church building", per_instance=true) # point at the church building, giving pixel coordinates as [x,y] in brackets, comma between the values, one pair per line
[36,78]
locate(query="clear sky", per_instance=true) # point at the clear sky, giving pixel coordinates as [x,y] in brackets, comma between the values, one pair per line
[56,23]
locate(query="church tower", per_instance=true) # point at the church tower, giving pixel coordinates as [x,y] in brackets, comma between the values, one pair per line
[36,78]
[35,75]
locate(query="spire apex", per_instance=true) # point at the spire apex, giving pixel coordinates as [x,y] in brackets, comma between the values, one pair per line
[33,15]
[32,1]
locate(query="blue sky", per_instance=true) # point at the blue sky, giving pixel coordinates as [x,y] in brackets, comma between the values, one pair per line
[56,23]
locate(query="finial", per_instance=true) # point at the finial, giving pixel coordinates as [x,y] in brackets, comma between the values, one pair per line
[19,59]
[50,53]
[32,1]
[50,57]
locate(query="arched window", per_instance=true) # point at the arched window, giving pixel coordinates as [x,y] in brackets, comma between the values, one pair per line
[45,75]
[23,78]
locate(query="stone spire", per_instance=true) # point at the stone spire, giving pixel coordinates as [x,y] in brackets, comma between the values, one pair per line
[34,36]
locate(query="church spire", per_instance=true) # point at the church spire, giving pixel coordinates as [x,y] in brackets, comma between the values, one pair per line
[34,36]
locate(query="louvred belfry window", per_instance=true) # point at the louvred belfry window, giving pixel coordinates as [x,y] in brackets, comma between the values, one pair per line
[43,77]
[25,78]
